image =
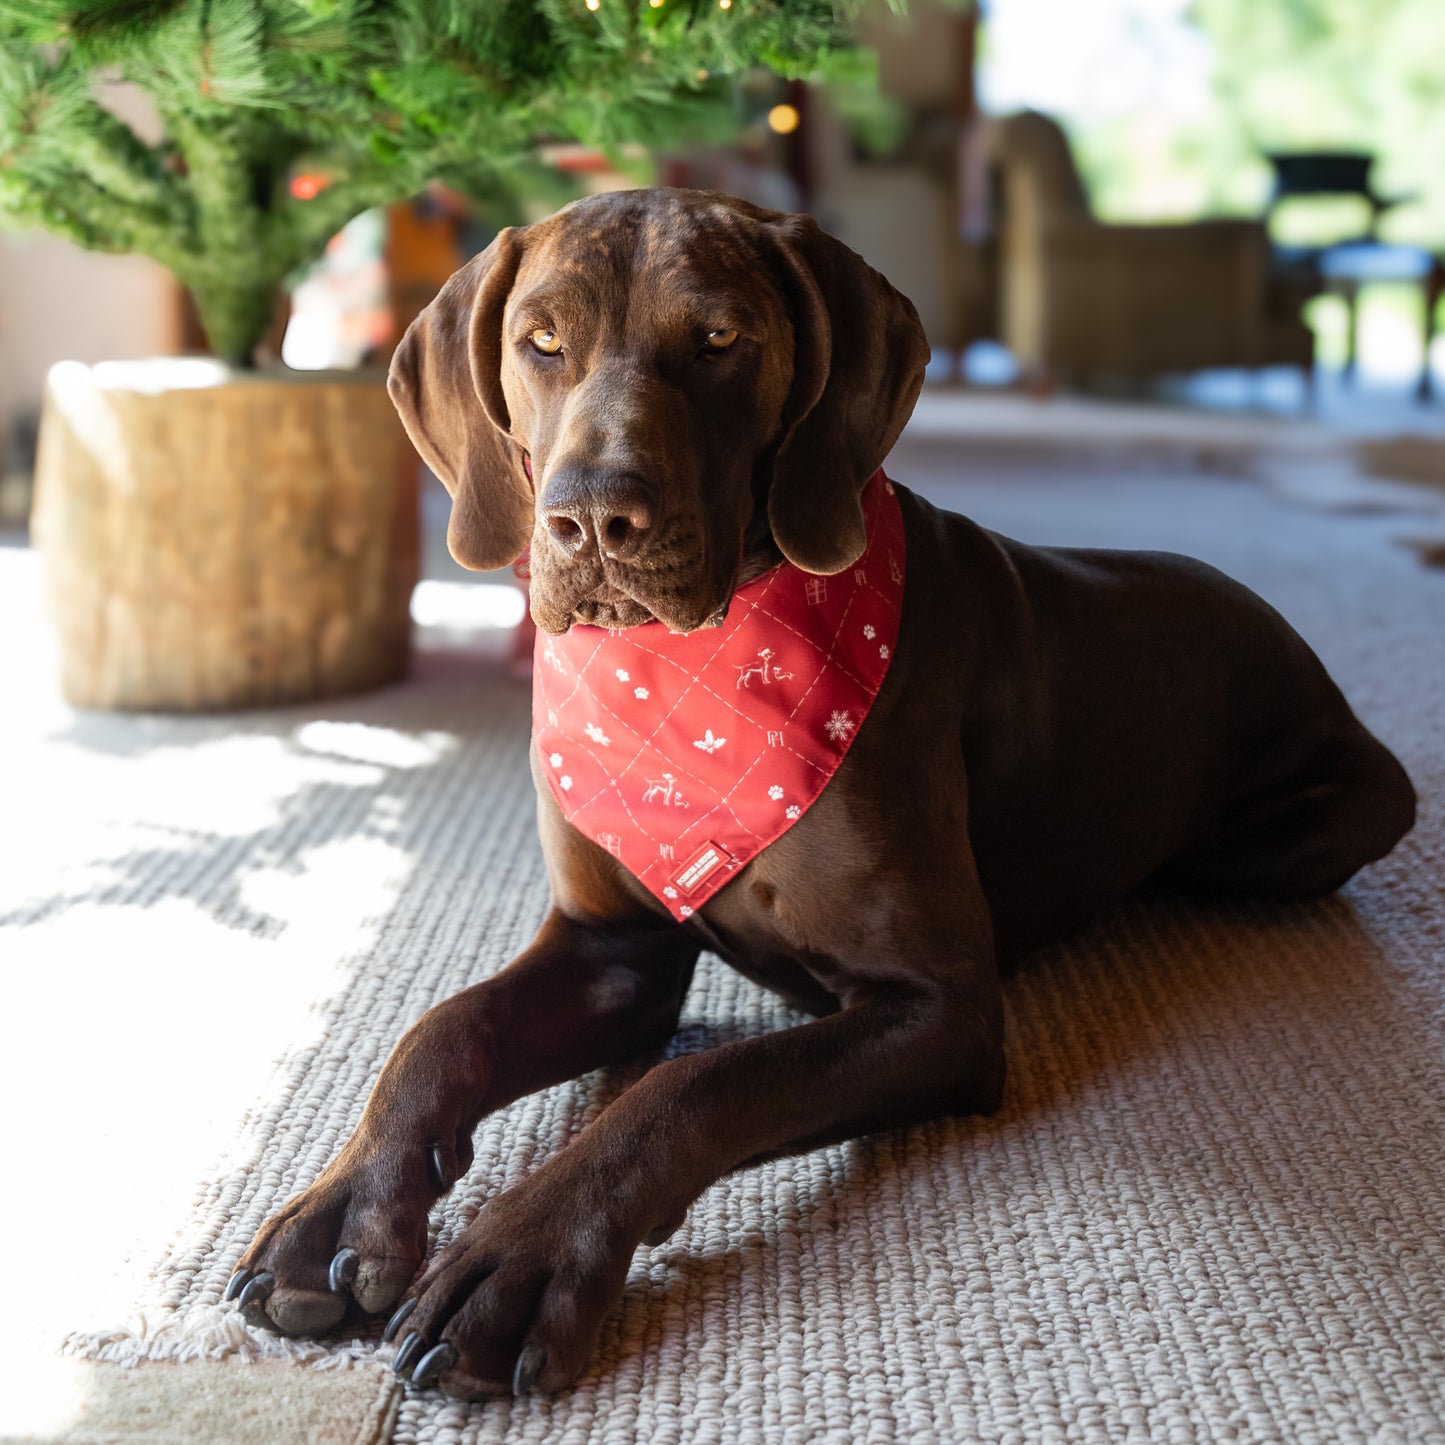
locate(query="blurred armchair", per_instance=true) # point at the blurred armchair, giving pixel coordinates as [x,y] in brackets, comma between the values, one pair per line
[1080,299]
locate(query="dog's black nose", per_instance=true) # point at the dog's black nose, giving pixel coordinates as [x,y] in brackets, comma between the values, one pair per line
[609,512]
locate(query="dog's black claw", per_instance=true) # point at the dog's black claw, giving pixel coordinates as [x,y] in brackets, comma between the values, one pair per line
[343,1270]
[529,1366]
[408,1352]
[239,1281]
[439,1168]
[394,1324]
[257,1289]
[431,1365]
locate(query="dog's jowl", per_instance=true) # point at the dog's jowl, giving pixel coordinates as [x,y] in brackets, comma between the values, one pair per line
[865,750]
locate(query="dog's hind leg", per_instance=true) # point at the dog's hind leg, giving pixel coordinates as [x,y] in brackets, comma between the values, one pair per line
[1311,834]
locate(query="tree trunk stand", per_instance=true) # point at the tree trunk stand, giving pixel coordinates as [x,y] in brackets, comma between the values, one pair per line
[218,539]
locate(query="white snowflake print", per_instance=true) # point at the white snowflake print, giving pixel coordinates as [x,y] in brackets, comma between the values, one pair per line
[708,743]
[596,734]
[564,782]
[555,760]
[839,727]
[669,892]
[794,811]
[623,675]
[883,652]
[640,692]
[775,792]
[869,632]
[685,911]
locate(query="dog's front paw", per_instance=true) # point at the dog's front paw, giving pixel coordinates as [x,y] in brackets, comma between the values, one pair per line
[517,1300]
[358,1233]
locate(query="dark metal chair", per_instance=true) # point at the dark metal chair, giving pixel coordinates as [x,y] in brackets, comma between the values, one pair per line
[1348,263]
[1328,173]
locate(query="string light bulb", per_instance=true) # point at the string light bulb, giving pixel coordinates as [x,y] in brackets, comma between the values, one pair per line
[593,4]
[724,4]
[308,187]
[783,119]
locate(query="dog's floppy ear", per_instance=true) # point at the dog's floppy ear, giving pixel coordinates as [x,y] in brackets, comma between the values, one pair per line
[446,384]
[859,355]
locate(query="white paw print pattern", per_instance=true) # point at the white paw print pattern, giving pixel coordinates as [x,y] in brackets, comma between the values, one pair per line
[565,783]
[685,911]
[794,811]
[869,631]
[623,675]
[640,693]
[596,734]
[883,652]
[555,760]
[669,892]
[775,792]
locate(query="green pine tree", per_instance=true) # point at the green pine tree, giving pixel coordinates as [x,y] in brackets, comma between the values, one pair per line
[379,96]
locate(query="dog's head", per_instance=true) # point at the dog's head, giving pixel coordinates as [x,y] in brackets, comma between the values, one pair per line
[659,391]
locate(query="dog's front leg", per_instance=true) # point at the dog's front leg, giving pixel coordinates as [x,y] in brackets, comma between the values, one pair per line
[578,998]
[518,1299]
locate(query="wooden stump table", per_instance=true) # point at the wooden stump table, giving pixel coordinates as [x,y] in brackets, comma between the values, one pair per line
[220,539]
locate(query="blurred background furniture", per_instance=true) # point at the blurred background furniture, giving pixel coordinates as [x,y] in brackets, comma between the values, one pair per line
[1347,269]
[1081,299]
[908,209]
[1313,174]
[1355,258]
[1317,174]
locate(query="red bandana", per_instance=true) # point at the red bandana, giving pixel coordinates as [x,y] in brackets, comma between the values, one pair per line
[686,754]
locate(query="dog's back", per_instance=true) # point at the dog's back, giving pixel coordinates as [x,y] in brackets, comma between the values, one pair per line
[1119,710]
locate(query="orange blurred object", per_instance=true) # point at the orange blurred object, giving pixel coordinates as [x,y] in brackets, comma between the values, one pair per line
[784,119]
[308,187]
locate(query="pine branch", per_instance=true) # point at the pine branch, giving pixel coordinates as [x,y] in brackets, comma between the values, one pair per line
[379,95]
[54,136]
[118,161]
[89,216]
[227,219]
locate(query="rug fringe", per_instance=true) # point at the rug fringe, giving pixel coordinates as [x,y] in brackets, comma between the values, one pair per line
[209,1333]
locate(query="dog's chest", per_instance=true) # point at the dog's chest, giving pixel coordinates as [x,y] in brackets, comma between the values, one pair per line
[741,932]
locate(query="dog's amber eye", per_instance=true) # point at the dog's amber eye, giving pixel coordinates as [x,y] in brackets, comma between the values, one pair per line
[547,341]
[721,339]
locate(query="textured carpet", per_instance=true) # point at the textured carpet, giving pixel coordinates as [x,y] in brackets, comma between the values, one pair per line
[204,1402]
[1212,1208]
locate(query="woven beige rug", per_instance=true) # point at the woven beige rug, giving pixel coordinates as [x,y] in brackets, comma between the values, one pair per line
[1212,1208]
[203,1402]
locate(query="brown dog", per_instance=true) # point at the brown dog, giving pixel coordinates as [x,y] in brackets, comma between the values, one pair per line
[665,393]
